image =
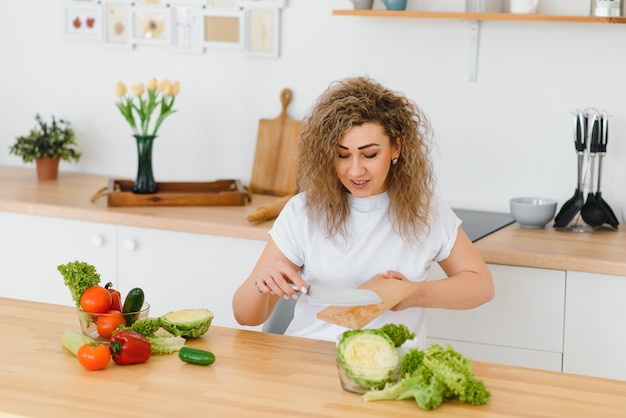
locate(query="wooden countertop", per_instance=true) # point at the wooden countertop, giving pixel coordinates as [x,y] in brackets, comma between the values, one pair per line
[255,375]
[602,251]
[69,197]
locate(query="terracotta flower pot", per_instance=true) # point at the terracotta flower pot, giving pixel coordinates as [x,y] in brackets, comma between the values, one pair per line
[47,168]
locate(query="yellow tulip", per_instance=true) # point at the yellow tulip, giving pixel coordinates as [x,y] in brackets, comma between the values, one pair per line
[138,111]
[138,89]
[120,89]
[164,85]
[175,88]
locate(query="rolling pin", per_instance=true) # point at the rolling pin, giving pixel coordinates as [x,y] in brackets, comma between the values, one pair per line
[270,210]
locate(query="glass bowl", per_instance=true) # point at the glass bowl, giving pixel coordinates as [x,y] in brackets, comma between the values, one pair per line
[89,320]
[352,382]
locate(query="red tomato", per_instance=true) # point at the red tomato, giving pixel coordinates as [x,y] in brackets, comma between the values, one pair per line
[95,299]
[94,356]
[106,324]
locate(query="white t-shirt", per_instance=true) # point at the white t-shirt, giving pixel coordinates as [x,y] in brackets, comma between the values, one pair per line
[372,248]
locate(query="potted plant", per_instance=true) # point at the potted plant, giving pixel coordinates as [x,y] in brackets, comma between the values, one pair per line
[47,144]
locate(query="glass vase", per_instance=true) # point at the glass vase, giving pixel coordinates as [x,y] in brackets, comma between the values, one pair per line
[144,184]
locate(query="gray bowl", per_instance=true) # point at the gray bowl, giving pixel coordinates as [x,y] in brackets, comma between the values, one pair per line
[532,212]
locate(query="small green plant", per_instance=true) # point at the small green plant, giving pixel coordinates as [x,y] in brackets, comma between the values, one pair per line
[47,140]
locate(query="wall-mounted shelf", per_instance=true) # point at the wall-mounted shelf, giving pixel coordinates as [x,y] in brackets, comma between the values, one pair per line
[479,16]
[474,20]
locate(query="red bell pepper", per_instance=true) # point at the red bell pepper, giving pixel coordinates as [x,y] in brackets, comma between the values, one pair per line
[116,297]
[129,347]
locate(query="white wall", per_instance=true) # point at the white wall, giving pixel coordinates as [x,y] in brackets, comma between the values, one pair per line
[508,134]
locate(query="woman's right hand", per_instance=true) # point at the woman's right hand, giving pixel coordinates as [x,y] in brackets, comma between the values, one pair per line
[277,278]
[255,299]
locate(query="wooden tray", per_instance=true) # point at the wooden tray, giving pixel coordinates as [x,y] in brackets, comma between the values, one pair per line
[215,193]
[391,291]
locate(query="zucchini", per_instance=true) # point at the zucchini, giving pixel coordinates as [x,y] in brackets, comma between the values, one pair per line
[73,340]
[132,304]
[196,356]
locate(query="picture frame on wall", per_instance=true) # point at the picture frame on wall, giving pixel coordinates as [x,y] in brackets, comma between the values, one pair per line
[224,28]
[83,20]
[189,28]
[223,3]
[151,25]
[117,24]
[262,3]
[263,32]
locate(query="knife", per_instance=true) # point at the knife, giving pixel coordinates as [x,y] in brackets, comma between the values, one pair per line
[323,295]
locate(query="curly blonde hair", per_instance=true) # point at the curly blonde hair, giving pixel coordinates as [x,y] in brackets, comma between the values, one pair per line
[352,102]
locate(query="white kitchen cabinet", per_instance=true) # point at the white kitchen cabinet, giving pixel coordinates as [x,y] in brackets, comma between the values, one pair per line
[595,330]
[176,270]
[521,326]
[180,270]
[31,248]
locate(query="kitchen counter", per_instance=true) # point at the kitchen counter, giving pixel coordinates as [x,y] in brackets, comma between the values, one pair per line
[255,374]
[69,197]
[602,251]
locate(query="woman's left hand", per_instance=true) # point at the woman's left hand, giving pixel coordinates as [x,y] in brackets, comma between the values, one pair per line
[396,275]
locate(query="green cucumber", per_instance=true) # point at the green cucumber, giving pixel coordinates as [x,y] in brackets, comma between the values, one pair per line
[73,340]
[133,303]
[196,356]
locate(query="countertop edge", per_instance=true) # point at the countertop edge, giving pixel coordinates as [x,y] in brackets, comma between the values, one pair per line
[69,198]
[601,252]
[252,231]
[552,262]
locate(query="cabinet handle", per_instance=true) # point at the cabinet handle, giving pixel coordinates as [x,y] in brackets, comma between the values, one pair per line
[130,245]
[97,240]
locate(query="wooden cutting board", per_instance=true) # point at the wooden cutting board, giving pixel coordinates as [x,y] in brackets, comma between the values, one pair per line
[275,161]
[391,291]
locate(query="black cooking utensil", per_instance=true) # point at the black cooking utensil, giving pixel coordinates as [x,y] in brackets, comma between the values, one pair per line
[592,211]
[571,208]
[611,219]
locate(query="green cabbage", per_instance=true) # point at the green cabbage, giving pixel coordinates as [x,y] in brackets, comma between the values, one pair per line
[188,323]
[368,357]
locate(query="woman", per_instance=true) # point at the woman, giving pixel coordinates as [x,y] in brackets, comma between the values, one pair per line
[366,207]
